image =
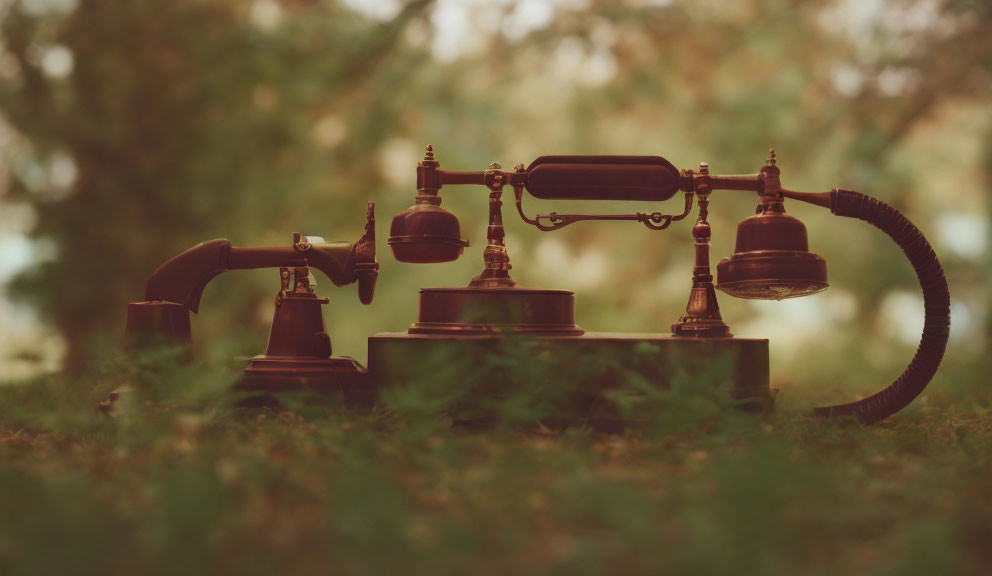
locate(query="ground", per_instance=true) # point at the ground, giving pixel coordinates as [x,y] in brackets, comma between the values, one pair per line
[179,481]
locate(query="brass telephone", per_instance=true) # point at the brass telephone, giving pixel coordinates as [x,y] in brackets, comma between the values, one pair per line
[771,261]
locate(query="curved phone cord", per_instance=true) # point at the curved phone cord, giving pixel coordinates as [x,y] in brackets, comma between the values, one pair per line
[936,302]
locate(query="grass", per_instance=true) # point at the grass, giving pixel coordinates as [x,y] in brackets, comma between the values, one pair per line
[181,482]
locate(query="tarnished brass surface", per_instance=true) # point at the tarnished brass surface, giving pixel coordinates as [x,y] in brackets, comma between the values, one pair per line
[772,260]
[477,310]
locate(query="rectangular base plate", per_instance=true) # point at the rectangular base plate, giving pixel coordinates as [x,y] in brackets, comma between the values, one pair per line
[578,370]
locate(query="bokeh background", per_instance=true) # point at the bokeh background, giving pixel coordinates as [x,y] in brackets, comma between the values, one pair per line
[130,131]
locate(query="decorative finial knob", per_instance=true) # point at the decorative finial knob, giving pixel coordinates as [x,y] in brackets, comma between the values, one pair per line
[770,161]
[495,166]
[429,155]
[704,168]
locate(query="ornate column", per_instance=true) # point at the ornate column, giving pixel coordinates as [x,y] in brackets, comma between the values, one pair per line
[702,313]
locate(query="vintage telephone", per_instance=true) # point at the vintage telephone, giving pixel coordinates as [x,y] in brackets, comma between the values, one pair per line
[299,349]
[771,261]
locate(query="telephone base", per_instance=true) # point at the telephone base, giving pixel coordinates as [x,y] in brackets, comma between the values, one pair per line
[581,378]
[337,376]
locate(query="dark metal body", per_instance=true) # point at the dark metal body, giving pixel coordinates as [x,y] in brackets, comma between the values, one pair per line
[496,311]
[578,373]
[299,349]
[771,260]
[459,330]
[471,322]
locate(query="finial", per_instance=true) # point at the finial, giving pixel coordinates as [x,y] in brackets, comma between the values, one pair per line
[429,155]
[369,224]
[770,161]
[704,168]
[495,166]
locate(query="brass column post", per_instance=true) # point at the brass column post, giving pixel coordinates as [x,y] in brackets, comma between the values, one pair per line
[702,313]
[497,271]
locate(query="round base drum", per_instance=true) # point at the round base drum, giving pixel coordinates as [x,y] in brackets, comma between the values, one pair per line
[479,310]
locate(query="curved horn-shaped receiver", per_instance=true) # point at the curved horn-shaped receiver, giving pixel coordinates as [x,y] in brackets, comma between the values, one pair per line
[182,278]
[174,288]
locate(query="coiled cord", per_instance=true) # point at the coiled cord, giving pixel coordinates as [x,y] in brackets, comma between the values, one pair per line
[936,302]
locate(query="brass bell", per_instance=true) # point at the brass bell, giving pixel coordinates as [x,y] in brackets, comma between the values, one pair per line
[426,233]
[299,349]
[771,260]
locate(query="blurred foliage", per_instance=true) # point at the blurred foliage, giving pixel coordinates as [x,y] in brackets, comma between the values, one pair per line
[180,479]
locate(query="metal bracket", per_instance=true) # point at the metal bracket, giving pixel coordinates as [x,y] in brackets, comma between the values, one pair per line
[556,221]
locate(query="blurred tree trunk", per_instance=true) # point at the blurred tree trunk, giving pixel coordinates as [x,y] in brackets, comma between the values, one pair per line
[175,113]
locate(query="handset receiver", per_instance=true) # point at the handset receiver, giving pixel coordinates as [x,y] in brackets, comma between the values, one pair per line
[644,178]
